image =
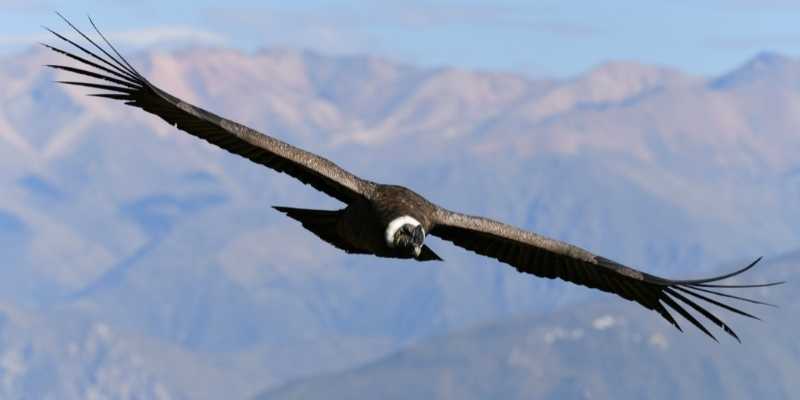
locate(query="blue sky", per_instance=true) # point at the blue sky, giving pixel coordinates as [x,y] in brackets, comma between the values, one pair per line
[554,38]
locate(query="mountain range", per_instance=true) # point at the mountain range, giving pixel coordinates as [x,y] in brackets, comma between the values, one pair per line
[137,258]
[587,351]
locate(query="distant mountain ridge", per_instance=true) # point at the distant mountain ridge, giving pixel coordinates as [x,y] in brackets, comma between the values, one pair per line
[602,350]
[113,218]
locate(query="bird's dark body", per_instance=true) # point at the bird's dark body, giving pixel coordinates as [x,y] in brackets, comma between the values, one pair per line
[359,228]
[392,221]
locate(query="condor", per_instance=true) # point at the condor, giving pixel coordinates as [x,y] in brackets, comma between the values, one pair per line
[393,221]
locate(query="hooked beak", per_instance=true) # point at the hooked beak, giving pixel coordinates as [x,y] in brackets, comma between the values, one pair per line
[418,236]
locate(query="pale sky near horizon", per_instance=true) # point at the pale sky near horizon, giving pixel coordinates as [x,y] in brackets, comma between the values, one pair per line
[551,37]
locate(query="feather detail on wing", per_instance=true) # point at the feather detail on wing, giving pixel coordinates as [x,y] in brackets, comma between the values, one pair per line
[548,258]
[118,80]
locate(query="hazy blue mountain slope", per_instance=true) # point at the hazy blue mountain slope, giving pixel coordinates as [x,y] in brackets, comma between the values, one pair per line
[605,349]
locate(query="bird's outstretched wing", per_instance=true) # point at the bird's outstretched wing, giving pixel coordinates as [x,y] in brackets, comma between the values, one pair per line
[118,80]
[548,258]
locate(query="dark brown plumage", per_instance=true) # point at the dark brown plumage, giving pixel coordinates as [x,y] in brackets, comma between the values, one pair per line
[392,221]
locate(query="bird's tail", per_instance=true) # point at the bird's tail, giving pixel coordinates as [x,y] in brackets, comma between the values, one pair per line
[323,223]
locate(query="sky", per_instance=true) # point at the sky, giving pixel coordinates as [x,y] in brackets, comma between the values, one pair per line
[558,38]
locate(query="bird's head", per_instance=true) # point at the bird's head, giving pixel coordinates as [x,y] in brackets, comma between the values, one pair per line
[405,235]
[408,239]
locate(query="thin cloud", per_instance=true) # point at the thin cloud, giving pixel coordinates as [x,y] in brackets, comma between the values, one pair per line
[436,16]
[340,30]
[15,40]
[486,16]
[401,15]
[756,42]
[566,29]
[336,32]
[146,37]
[149,37]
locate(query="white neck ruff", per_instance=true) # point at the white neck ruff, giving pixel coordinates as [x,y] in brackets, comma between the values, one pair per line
[396,224]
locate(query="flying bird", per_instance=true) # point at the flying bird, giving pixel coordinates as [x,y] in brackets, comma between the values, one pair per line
[393,221]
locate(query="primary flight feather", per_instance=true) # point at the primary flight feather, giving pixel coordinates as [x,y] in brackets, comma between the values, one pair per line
[392,221]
